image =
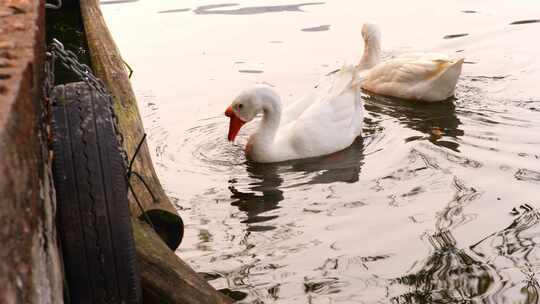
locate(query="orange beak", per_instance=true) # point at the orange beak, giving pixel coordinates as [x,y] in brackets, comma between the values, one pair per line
[234,125]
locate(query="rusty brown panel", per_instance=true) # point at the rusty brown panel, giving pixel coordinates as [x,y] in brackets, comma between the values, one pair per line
[29,260]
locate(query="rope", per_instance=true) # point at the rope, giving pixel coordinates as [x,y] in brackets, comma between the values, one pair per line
[130,173]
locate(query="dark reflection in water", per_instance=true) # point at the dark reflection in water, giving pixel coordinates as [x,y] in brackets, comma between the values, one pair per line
[233,294]
[343,166]
[251,10]
[527,175]
[479,273]
[320,28]
[266,191]
[519,242]
[452,36]
[453,214]
[251,71]
[179,10]
[516,246]
[525,21]
[448,275]
[264,197]
[437,120]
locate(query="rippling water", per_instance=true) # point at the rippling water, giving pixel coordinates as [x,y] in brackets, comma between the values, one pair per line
[436,203]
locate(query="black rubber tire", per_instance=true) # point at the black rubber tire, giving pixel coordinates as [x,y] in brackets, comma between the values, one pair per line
[93,217]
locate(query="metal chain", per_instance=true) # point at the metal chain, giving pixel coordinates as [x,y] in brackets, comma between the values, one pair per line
[70,61]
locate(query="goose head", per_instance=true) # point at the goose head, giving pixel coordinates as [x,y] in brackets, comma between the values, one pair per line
[370,33]
[246,106]
[242,110]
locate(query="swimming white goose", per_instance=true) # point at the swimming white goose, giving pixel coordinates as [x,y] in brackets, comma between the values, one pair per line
[326,120]
[415,76]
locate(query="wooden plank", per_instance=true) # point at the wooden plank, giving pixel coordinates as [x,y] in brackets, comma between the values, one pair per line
[30,266]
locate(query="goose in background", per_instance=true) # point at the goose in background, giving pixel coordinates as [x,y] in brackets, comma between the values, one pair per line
[414,76]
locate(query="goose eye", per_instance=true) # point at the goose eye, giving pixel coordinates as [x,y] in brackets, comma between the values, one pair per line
[240,106]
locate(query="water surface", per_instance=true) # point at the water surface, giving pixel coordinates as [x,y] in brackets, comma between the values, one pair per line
[434,204]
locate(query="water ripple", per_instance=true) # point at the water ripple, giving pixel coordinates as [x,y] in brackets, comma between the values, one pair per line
[209,148]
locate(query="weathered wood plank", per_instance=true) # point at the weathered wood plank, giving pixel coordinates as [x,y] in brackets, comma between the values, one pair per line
[30,269]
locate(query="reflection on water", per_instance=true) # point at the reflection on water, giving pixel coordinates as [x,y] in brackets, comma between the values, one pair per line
[211,151]
[452,36]
[448,275]
[482,272]
[516,244]
[517,247]
[320,28]
[264,195]
[528,175]
[525,21]
[437,120]
[250,10]
[179,10]
[452,215]
[265,191]
[251,71]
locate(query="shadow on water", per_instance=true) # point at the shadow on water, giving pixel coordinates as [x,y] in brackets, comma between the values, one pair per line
[484,272]
[265,192]
[251,10]
[437,120]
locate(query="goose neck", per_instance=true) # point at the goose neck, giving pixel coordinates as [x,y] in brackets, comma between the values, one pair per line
[271,111]
[372,53]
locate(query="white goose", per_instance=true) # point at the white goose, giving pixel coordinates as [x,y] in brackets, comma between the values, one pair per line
[326,120]
[415,76]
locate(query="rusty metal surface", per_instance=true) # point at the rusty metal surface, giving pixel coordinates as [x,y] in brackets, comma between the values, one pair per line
[29,261]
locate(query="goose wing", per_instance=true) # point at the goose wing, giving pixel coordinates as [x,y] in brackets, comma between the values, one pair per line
[413,76]
[334,118]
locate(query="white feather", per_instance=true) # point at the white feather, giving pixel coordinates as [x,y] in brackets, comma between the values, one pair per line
[416,76]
